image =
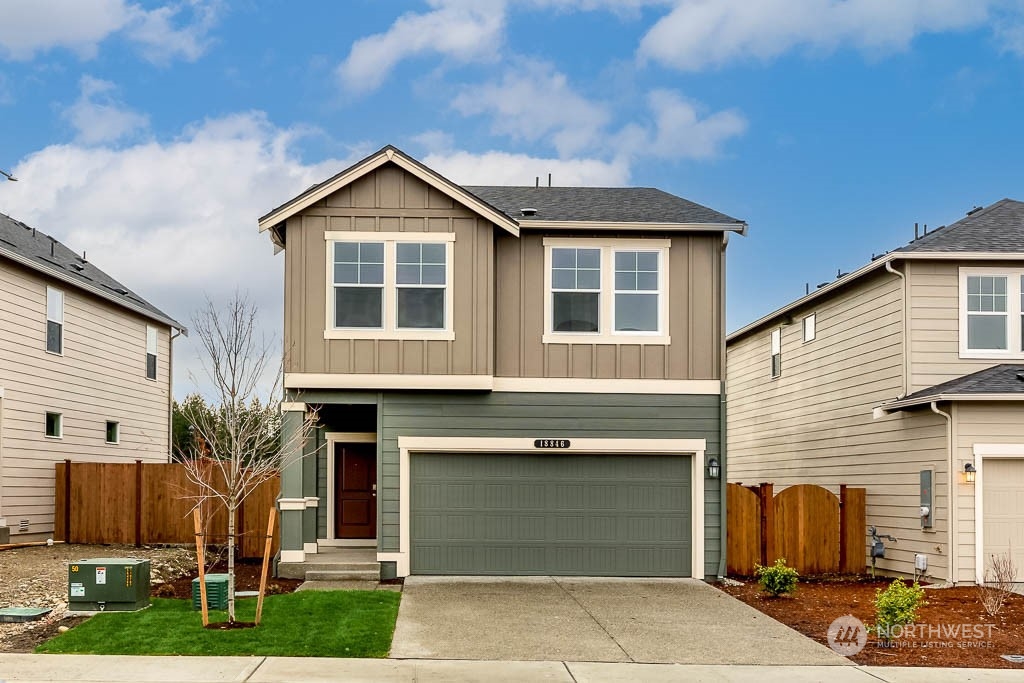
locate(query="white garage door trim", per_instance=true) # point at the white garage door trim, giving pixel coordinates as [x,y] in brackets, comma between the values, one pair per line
[982,452]
[409,445]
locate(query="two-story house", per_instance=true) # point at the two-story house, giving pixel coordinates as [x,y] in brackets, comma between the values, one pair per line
[85,373]
[508,380]
[904,377]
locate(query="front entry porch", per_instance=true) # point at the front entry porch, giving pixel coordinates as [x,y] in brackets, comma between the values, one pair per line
[334,564]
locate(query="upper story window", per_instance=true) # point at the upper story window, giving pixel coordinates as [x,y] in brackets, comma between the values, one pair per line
[809,324]
[54,425]
[991,312]
[150,352]
[776,348]
[54,320]
[389,286]
[606,291]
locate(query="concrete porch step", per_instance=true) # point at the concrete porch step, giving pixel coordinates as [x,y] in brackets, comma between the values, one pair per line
[320,566]
[343,575]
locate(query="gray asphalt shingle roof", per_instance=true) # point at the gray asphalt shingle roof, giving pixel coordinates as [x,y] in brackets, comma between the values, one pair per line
[1000,379]
[599,204]
[998,227]
[48,255]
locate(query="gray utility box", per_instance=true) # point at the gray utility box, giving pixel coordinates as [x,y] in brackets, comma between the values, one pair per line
[111,584]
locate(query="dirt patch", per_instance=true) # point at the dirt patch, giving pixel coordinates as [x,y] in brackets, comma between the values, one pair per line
[953,629]
[247,578]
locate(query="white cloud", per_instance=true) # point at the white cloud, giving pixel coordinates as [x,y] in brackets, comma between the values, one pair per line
[533,101]
[503,168]
[173,220]
[465,30]
[702,33]
[31,26]
[98,118]
[679,131]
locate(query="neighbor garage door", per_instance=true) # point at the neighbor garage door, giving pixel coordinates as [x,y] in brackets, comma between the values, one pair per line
[584,515]
[1003,510]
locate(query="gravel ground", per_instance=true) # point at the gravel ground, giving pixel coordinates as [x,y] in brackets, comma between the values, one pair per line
[38,576]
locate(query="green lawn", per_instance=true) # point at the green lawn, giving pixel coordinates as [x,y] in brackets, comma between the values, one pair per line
[306,624]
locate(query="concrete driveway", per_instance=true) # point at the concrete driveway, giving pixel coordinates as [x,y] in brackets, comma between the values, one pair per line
[592,620]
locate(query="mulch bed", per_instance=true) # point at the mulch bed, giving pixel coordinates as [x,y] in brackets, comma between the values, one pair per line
[817,602]
[247,578]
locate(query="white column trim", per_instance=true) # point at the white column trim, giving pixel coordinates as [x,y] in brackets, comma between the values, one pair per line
[312,502]
[982,452]
[292,407]
[291,504]
[407,445]
[293,556]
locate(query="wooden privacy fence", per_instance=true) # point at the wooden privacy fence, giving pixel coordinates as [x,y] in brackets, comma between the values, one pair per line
[150,503]
[808,525]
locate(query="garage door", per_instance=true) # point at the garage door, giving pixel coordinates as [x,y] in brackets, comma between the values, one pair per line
[1003,510]
[583,515]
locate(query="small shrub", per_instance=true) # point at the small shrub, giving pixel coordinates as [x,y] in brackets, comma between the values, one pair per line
[777,579]
[896,606]
[999,580]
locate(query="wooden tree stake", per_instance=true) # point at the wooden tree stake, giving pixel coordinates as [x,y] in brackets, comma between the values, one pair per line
[202,562]
[266,562]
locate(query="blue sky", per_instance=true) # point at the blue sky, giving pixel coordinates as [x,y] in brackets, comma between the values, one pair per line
[153,134]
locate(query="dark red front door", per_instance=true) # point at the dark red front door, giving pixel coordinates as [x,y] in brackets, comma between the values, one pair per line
[355,486]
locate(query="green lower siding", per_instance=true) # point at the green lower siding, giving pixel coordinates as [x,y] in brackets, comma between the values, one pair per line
[624,416]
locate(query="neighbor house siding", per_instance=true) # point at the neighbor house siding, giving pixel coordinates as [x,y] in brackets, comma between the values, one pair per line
[101,376]
[545,415]
[389,200]
[979,422]
[813,424]
[695,323]
[935,322]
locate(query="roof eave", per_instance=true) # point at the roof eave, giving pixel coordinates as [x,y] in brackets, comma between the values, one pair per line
[527,223]
[902,404]
[373,162]
[65,277]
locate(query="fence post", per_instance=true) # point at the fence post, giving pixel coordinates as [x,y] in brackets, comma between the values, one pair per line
[67,501]
[138,503]
[843,528]
[766,492]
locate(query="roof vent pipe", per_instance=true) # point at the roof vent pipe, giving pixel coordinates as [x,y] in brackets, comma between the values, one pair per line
[549,180]
[916,235]
[536,181]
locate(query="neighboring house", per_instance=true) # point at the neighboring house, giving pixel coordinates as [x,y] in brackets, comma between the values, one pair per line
[901,377]
[85,368]
[508,380]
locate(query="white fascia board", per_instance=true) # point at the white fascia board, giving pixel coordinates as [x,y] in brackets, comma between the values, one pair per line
[925,400]
[630,226]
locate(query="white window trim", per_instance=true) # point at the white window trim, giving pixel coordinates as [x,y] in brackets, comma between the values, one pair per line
[59,322]
[1013,313]
[606,312]
[813,319]
[117,428]
[60,424]
[390,329]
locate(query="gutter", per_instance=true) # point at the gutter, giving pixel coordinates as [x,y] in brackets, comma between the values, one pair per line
[950,499]
[893,406]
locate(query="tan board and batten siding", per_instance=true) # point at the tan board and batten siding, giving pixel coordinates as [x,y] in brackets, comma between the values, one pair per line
[389,200]
[813,425]
[99,377]
[695,303]
[502,339]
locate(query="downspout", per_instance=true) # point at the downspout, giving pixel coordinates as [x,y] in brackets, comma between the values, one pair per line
[905,337]
[722,430]
[950,504]
[170,395]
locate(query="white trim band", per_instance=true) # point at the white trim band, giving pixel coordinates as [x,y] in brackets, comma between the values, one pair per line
[310,548]
[291,504]
[309,380]
[312,502]
[292,407]
[574,385]
[293,556]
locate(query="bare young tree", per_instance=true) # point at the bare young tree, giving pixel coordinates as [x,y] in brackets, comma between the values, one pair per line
[242,442]
[1000,577]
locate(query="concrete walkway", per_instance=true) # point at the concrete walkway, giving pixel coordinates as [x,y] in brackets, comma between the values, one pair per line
[111,669]
[592,620]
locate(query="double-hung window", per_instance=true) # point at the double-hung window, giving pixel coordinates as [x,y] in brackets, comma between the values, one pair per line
[776,349]
[606,291]
[150,352]
[54,320]
[991,312]
[389,285]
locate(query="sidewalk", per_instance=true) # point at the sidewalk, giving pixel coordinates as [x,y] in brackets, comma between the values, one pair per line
[112,669]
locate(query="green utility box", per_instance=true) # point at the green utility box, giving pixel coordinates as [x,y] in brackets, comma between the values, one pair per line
[216,592]
[111,584]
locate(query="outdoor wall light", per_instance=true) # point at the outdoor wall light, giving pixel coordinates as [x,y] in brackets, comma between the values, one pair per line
[714,469]
[969,472]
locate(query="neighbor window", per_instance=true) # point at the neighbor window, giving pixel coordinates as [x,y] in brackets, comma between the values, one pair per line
[54,320]
[776,344]
[389,285]
[809,322]
[113,432]
[150,352]
[54,425]
[606,291]
[991,312]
